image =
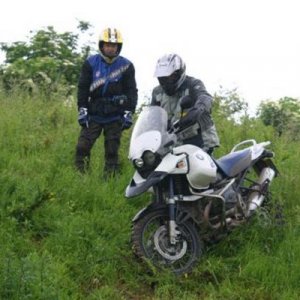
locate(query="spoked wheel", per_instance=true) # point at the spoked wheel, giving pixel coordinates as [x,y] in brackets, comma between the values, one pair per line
[151,240]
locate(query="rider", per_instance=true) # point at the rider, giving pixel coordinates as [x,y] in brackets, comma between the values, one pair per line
[106,90]
[174,84]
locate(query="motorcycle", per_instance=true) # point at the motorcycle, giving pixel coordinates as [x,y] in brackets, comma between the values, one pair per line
[196,199]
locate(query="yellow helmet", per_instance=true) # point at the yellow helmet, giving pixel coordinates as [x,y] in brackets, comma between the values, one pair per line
[110,35]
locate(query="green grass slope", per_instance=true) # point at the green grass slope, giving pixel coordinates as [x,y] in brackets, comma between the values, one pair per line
[67,236]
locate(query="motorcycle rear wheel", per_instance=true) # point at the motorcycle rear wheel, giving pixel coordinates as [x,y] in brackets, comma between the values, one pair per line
[151,242]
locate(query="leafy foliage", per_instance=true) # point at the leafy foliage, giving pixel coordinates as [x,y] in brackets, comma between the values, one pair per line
[229,103]
[283,115]
[47,60]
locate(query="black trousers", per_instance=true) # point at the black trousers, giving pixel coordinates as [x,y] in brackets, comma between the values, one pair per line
[87,138]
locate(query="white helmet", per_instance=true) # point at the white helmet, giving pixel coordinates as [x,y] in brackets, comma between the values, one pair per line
[170,72]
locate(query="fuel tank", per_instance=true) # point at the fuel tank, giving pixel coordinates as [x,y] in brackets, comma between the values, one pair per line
[202,169]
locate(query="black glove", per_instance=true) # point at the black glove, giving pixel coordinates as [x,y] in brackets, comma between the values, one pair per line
[120,100]
[83,117]
[190,118]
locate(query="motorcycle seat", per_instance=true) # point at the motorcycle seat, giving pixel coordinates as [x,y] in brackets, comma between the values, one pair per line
[233,163]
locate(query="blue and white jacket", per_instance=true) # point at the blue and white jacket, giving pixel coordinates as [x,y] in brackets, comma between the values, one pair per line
[100,81]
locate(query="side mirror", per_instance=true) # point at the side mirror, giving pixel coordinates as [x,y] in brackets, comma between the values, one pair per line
[186,102]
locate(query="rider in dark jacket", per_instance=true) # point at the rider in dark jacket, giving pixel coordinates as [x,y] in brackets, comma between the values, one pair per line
[107,96]
[174,85]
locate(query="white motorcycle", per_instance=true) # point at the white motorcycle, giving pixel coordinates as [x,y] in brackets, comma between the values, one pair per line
[196,198]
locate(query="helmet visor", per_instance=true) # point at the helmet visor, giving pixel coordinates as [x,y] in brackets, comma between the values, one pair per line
[169,83]
[172,79]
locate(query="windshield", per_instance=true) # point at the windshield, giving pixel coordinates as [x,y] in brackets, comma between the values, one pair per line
[150,132]
[151,118]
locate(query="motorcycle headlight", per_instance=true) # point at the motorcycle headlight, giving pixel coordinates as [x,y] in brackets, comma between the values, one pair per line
[147,163]
[138,162]
[149,158]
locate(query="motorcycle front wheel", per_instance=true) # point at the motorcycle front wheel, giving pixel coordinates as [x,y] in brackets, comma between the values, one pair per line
[150,238]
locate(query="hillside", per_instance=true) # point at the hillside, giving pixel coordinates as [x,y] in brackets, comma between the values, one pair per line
[67,236]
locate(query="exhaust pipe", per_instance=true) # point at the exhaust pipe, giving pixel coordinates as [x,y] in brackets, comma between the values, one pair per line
[256,198]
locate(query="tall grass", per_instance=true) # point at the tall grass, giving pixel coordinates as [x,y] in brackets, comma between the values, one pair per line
[67,236]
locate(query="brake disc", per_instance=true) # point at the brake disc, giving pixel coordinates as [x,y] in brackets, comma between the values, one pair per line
[165,249]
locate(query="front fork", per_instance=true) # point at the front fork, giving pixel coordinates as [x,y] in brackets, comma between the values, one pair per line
[173,232]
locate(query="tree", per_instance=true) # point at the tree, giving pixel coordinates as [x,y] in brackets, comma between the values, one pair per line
[47,60]
[229,104]
[283,115]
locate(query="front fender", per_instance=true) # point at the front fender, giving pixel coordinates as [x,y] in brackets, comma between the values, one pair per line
[135,189]
[145,210]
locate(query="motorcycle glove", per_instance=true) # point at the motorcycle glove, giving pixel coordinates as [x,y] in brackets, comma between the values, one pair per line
[120,100]
[83,117]
[190,118]
[127,120]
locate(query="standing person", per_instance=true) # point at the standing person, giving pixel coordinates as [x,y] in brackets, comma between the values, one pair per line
[107,97]
[174,84]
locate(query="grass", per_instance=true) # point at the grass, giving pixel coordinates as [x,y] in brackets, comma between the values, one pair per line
[67,236]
